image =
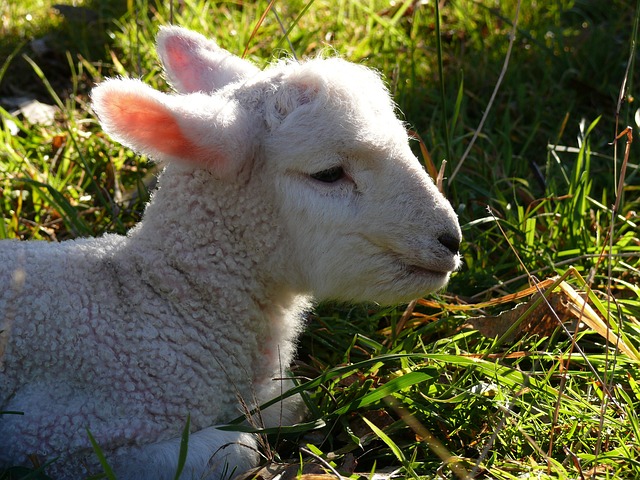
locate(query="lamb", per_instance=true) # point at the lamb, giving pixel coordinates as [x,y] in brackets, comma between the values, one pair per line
[279,188]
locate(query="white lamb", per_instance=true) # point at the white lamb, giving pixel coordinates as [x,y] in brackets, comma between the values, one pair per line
[279,187]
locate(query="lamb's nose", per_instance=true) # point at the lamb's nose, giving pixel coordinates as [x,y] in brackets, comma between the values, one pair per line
[452,242]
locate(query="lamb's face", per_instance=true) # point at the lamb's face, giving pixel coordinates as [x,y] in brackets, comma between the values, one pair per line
[366,222]
[362,219]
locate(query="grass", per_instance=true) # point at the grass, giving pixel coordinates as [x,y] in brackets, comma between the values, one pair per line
[412,389]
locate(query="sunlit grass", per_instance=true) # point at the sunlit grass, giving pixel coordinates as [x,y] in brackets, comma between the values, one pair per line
[396,388]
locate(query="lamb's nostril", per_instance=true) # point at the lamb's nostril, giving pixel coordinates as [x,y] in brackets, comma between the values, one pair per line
[452,242]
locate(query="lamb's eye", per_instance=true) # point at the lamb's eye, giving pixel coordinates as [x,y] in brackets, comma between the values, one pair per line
[329,175]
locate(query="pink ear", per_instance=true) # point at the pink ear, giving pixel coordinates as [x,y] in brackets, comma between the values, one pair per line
[186,73]
[145,123]
[141,118]
[196,64]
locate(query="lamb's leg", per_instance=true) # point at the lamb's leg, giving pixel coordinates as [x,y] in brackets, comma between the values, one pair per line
[287,412]
[212,454]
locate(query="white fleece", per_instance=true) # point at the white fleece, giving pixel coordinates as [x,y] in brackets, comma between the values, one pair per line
[200,305]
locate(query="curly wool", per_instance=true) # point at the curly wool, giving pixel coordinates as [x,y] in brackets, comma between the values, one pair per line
[197,310]
[135,337]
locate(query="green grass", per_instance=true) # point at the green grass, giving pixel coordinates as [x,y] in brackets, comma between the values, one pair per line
[415,390]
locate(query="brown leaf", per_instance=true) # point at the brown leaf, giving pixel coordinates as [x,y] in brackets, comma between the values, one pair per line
[539,322]
[58,141]
[569,307]
[380,418]
[287,471]
[321,476]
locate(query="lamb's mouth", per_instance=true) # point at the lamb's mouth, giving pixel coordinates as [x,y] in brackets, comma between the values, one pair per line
[408,269]
[420,280]
[414,270]
[423,271]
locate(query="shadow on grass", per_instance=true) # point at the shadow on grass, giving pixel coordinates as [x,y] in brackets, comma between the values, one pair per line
[60,35]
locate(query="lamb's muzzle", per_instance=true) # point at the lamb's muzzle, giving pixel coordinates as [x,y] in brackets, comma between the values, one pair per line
[279,187]
[451,241]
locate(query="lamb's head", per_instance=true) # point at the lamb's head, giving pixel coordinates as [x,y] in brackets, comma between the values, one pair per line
[368,222]
[362,220]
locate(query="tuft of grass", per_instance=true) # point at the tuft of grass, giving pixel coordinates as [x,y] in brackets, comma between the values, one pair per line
[408,388]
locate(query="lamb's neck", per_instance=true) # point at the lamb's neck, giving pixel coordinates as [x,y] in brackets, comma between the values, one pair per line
[210,229]
[219,262]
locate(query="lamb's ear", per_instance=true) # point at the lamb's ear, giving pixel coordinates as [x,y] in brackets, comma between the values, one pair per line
[194,63]
[195,129]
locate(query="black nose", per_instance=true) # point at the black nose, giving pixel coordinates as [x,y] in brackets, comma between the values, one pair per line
[452,242]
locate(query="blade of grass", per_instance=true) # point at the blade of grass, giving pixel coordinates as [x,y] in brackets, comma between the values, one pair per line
[70,214]
[257,27]
[9,59]
[184,446]
[101,457]
[397,451]
[443,96]
[503,72]
[293,25]
[393,386]
[45,82]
